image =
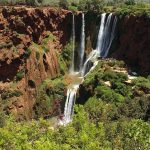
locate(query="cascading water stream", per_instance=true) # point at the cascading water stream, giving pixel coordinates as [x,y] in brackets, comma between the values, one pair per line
[104,41]
[108,36]
[71,92]
[105,37]
[72,69]
[82,47]
[71,96]
[100,34]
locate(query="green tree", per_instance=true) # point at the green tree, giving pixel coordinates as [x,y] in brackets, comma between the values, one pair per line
[130,2]
[64,4]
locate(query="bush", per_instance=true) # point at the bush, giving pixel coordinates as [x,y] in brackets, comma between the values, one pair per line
[37,55]
[8,94]
[73,8]
[27,53]
[67,53]
[34,2]
[135,108]
[80,134]
[114,76]
[49,91]
[122,89]
[2,119]
[64,4]
[91,5]
[130,2]
[20,75]
[142,83]
[99,110]
[108,95]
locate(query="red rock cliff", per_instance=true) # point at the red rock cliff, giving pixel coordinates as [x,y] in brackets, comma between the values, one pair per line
[29,38]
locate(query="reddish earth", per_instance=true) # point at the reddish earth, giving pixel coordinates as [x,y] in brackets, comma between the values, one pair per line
[19,28]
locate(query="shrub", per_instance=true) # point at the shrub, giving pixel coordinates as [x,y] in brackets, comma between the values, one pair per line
[122,89]
[63,3]
[67,53]
[49,91]
[62,65]
[142,83]
[37,55]
[137,108]
[95,76]
[20,75]
[137,134]
[73,8]
[91,5]
[114,76]
[2,119]
[99,110]
[64,58]
[130,2]
[34,2]
[30,2]
[108,95]
[80,134]
[27,52]
[8,94]
[109,75]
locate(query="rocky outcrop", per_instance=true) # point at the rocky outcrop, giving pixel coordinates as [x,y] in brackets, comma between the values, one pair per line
[30,40]
[134,43]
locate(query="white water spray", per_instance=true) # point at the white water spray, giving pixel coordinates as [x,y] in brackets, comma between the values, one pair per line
[100,34]
[82,47]
[107,36]
[71,97]
[72,69]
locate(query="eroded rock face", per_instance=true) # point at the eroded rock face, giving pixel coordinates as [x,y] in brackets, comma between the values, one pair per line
[134,43]
[23,64]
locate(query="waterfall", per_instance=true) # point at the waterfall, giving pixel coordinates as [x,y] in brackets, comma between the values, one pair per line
[104,41]
[71,97]
[105,37]
[89,62]
[72,69]
[100,34]
[82,47]
[71,91]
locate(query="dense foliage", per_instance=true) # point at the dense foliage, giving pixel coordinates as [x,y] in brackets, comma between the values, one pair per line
[114,116]
[82,133]
[128,98]
[121,7]
[80,4]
